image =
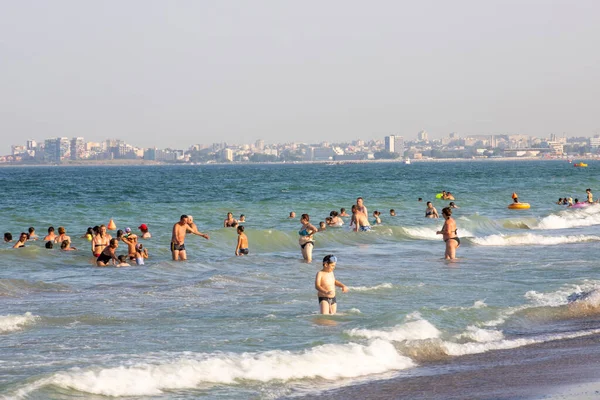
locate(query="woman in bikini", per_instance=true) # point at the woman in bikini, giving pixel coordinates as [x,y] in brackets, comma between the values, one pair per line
[306,241]
[430,211]
[449,232]
[229,222]
[100,241]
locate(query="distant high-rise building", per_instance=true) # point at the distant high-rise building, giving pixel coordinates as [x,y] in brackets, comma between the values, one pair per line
[77,148]
[453,135]
[150,154]
[260,145]
[227,154]
[52,150]
[394,144]
[422,136]
[65,148]
[390,144]
[31,144]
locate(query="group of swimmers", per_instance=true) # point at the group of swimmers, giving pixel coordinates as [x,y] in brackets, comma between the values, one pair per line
[104,246]
[569,202]
[325,282]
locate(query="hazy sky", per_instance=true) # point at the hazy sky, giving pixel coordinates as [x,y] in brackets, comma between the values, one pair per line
[176,73]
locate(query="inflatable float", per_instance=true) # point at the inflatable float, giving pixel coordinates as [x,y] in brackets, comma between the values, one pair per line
[519,206]
[580,205]
[581,165]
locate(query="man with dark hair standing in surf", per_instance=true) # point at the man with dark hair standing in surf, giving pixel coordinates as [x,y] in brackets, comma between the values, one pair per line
[178,238]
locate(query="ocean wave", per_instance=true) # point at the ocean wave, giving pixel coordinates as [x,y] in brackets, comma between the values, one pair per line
[17,287]
[476,334]
[476,305]
[429,233]
[412,330]
[11,323]
[571,218]
[461,349]
[330,362]
[531,239]
[560,297]
[370,288]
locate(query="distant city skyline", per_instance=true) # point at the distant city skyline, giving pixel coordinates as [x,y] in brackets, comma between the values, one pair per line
[175,74]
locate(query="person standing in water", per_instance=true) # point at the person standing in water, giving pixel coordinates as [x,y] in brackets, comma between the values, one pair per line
[430,211]
[108,254]
[325,284]
[306,240]
[590,196]
[449,233]
[178,237]
[242,243]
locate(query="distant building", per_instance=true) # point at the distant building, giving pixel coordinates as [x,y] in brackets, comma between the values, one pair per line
[227,154]
[557,148]
[422,136]
[259,145]
[394,144]
[52,150]
[595,142]
[16,150]
[323,154]
[77,148]
[150,154]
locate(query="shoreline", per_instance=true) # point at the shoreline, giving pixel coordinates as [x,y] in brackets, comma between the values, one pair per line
[552,370]
[126,163]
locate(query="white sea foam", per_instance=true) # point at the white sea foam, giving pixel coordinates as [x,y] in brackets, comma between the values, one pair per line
[412,330]
[331,362]
[588,216]
[476,334]
[11,323]
[531,239]
[429,233]
[370,288]
[587,292]
[422,232]
[461,349]
[477,304]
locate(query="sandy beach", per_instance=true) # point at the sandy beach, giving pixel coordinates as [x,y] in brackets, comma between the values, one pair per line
[565,369]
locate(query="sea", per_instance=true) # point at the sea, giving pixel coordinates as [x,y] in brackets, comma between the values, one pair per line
[219,326]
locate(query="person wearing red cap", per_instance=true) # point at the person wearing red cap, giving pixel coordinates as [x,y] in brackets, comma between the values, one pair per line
[145,233]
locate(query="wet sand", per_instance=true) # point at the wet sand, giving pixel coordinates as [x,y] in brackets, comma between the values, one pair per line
[562,369]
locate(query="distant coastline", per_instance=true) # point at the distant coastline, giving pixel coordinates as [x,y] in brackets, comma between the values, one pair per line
[122,163]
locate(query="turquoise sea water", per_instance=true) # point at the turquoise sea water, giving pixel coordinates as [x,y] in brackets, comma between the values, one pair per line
[220,326]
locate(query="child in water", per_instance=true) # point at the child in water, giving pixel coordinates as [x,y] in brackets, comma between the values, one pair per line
[325,284]
[122,261]
[242,242]
[140,253]
[377,219]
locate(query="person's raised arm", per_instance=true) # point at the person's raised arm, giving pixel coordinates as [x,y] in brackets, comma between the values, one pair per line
[197,232]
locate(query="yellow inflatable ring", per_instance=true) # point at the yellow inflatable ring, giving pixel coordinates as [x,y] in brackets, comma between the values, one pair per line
[519,206]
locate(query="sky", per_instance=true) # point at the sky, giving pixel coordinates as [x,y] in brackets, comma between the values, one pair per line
[178,73]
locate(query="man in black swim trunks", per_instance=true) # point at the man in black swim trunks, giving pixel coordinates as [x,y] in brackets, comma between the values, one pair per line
[178,238]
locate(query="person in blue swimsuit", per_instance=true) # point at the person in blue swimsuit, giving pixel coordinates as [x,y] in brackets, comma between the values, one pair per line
[306,240]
